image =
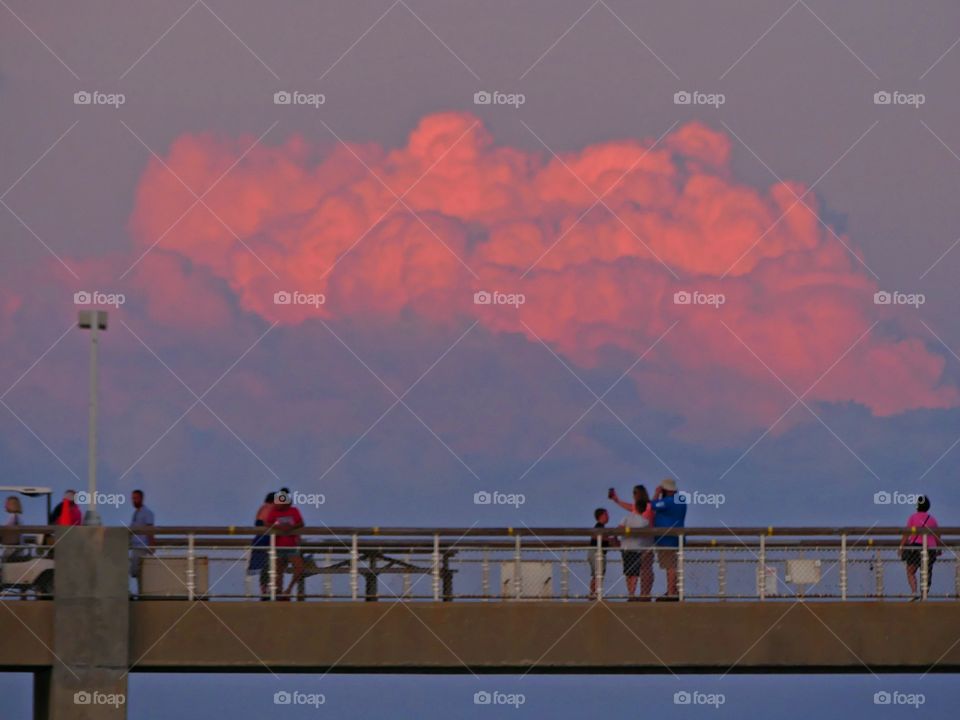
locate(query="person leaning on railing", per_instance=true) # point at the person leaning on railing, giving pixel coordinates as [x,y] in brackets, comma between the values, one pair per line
[285,518]
[911,546]
[259,556]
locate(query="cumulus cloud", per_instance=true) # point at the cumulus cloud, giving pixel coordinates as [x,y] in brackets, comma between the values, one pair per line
[598,241]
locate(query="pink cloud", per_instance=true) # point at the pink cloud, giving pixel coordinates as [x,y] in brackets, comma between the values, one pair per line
[599,278]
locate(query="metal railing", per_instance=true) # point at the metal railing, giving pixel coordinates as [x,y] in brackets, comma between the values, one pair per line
[557,564]
[516,564]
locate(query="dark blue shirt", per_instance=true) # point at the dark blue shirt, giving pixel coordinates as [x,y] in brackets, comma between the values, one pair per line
[669,513]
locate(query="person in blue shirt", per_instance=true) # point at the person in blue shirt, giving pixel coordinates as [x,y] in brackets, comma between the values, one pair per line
[140,544]
[668,513]
[260,557]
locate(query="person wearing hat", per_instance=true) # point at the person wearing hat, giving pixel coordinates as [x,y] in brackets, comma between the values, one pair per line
[668,513]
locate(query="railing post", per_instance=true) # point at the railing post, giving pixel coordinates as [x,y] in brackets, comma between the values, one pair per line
[598,567]
[843,567]
[924,567]
[485,576]
[762,575]
[191,568]
[722,575]
[328,578]
[249,581]
[446,577]
[564,576]
[956,575]
[680,548]
[405,584]
[354,567]
[516,570]
[878,573]
[436,567]
[272,570]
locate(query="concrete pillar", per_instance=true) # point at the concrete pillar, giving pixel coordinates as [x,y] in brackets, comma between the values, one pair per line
[88,680]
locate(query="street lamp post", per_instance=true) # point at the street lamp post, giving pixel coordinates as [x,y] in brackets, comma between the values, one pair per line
[94,321]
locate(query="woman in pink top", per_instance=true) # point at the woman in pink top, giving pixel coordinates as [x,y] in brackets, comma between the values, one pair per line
[911,545]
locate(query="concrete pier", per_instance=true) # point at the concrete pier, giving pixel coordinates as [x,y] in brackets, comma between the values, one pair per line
[82,645]
[548,637]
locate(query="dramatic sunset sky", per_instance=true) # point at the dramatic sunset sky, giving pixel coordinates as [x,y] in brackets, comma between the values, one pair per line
[593,206]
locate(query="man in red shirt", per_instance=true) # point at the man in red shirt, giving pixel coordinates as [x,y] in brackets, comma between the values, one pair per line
[66,512]
[284,518]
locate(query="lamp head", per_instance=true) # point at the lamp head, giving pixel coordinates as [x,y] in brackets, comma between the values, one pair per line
[87,318]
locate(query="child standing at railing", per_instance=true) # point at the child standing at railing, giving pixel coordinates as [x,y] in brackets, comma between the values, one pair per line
[599,569]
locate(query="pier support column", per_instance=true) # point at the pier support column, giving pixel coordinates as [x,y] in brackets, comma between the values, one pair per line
[88,680]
